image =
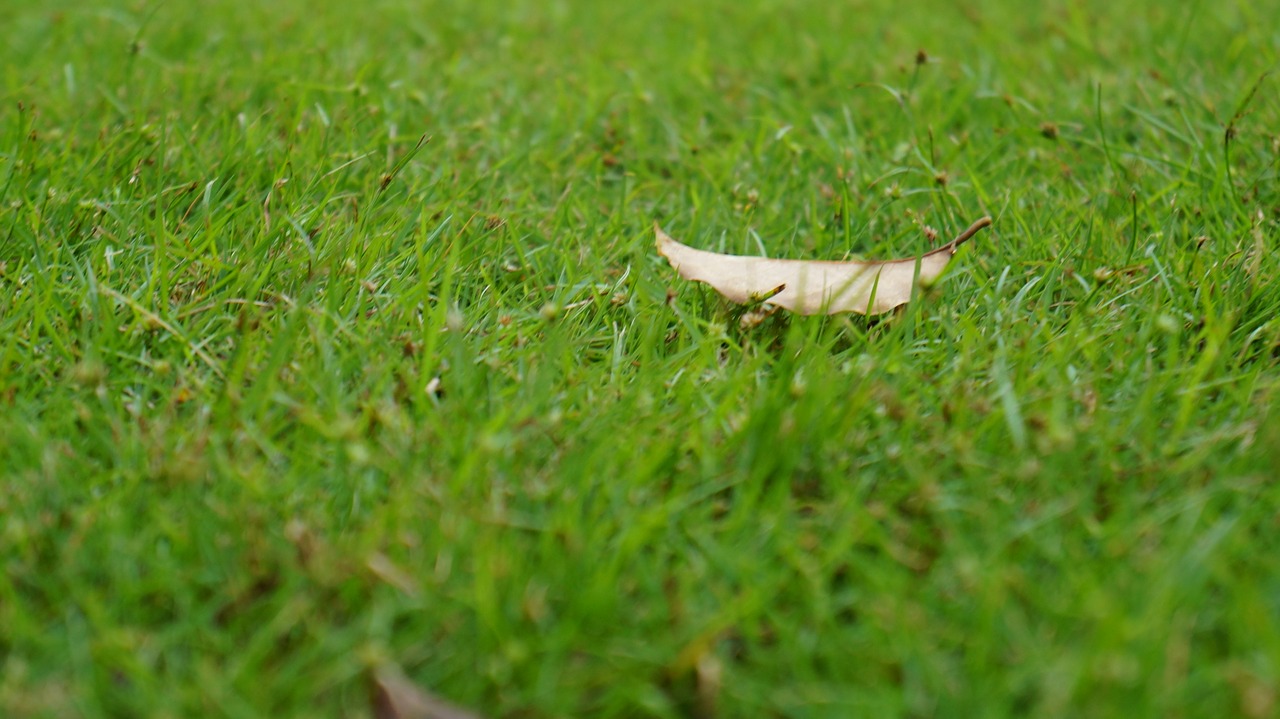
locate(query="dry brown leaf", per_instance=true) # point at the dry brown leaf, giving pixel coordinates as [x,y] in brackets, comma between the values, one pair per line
[810,287]
[395,697]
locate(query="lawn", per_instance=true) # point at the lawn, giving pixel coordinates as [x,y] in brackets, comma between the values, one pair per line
[334,345]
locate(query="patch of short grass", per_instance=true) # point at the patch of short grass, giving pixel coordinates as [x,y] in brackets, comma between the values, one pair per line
[333,336]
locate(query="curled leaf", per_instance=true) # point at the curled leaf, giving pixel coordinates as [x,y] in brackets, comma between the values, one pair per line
[810,287]
[395,697]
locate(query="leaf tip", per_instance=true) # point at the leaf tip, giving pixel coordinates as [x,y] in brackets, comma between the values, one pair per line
[968,234]
[661,239]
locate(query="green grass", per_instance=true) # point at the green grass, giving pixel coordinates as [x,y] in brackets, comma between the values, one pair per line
[285,398]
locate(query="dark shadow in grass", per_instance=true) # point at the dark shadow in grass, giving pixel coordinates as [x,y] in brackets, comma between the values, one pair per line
[767,327]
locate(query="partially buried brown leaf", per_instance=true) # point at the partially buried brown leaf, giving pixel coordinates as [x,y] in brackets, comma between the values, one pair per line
[395,697]
[811,287]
